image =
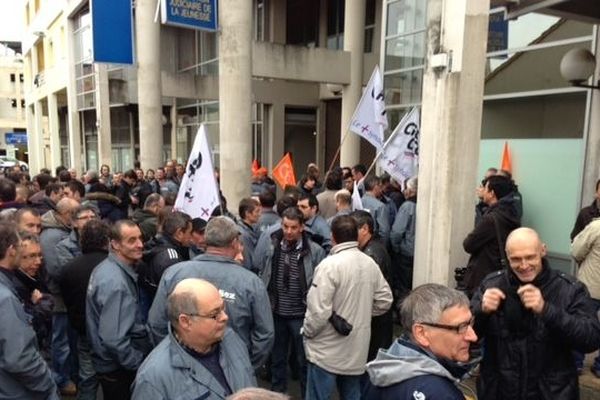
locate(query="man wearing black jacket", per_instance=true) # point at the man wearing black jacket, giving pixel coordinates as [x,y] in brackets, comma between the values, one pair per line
[486,241]
[587,214]
[93,238]
[532,318]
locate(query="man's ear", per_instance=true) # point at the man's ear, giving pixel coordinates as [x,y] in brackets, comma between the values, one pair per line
[543,250]
[420,335]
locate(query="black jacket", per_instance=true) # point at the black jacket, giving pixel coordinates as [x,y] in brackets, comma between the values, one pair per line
[382,326]
[159,254]
[529,356]
[482,242]
[73,286]
[585,216]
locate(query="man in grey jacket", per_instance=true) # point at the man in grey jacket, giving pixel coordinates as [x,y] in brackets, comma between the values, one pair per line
[377,209]
[23,372]
[244,293]
[287,270]
[115,328]
[201,358]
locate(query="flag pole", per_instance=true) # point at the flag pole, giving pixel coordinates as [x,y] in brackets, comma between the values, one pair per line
[337,153]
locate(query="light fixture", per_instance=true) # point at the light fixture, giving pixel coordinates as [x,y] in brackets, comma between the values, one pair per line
[335,88]
[39,34]
[577,65]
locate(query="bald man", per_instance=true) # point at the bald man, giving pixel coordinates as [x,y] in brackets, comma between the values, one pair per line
[201,358]
[532,318]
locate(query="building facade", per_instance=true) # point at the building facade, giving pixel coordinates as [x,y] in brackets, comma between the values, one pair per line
[12,104]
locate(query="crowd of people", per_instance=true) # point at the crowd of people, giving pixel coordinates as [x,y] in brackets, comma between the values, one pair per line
[104,284]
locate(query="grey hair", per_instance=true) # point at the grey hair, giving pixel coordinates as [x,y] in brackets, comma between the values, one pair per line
[412,184]
[426,303]
[92,174]
[183,302]
[152,200]
[343,196]
[220,232]
[257,394]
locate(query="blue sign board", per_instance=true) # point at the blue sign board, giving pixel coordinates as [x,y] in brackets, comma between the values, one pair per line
[15,138]
[112,31]
[497,32]
[195,14]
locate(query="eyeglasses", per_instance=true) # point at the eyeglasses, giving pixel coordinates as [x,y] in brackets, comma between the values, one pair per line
[214,316]
[460,329]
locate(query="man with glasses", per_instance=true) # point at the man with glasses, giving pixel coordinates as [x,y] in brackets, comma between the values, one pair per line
[69,248]
[532,318]
[199,340]
[423,363]
[244,293]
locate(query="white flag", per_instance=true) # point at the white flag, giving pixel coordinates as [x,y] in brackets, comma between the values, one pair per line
[369,119]
[356,200]
[400,157]
[198,193]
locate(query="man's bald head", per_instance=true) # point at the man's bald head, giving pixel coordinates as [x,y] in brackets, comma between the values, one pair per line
[525,251]
[66,204]
[187,296]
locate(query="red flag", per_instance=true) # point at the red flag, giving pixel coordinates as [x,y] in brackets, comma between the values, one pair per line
[283,173]
[506,160]
[255,166]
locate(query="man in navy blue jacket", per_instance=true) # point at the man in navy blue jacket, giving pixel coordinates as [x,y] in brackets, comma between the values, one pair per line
[424,364]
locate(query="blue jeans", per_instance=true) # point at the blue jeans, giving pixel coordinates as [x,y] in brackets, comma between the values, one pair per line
[287,331]
[579,357]
[88,384]
[321,383]
[64,340]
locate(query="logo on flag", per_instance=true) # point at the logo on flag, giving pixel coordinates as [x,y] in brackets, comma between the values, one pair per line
[198,194]
[283,173]
[400,156]
[369,119]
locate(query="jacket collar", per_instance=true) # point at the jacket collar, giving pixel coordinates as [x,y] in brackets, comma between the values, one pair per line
[127,268]
[344,246]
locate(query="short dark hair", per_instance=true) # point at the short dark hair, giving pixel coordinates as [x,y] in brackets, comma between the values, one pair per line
[363,217]
[43,180]
[500,185]
[294,214]
[247,205]
[116,230]
[64,176]
[152,200]
[597,184]
[344,229]
[292,190]
[267,199]
[130,174]
[8,237]
[25,210]
[198,225]
[360,168]
[94,236]
[333,179]
[84,207]
[312,199]
[75,186]
[60,169]
[286,202]
[371,181]
[174,221]
[53,188]
[8,190]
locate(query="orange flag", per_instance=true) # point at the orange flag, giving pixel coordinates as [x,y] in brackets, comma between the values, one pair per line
[506,160]
[255,166]
[283,173]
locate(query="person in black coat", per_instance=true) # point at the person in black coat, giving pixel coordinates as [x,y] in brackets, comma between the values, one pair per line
[486,241]
[531,318]
[587,214]
[94,239]
[381,326]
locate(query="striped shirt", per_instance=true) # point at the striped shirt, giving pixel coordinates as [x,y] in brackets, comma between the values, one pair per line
[290,299]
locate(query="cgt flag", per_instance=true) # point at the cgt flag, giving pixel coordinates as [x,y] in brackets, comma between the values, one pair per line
[369,119]
[506,159]
[283,173]
[198,194]
[356,200]
[400,157]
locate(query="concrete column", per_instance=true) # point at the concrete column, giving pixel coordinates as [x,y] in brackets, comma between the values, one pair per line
[36,150]
[73,123]
[103,115]
[54,126]
[450,135]
[235,98]
[173,117]
[354,42]
[591,168]
[31,141]
[276,134]
[149,84]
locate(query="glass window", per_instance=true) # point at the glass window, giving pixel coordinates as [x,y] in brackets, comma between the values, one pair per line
[405,52]
[403,87]
[405,16]
[187,44]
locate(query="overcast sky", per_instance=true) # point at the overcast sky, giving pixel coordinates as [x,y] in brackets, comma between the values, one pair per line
[11,20]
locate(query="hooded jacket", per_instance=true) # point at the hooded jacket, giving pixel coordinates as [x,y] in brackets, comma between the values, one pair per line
[53,231]
[527,355]
[482,242]
[405,371]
